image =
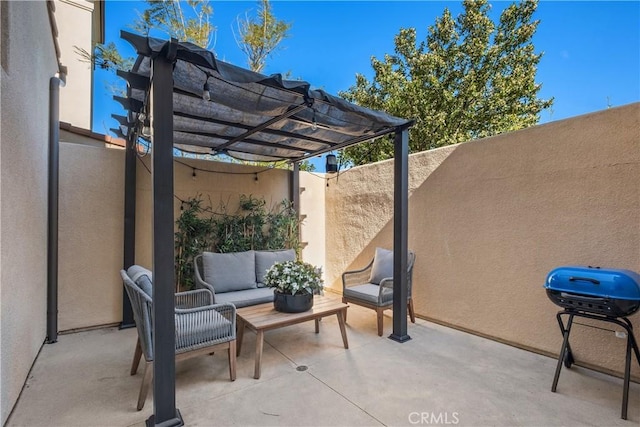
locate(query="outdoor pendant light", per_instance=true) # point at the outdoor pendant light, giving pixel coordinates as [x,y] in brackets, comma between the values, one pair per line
[332,164]
[206,91]
[146,128]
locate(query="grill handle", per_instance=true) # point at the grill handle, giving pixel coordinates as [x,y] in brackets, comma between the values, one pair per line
[584,279]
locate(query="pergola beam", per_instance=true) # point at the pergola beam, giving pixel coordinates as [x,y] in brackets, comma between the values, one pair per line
[290,112]
[247,127]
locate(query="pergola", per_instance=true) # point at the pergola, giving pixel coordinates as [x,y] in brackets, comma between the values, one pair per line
[191,101]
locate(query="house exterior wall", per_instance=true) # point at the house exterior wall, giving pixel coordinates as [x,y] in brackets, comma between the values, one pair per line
[75,25]
[28,63]
[489,219]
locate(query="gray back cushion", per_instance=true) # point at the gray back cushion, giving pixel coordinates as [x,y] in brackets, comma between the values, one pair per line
[141,277]
[234,271]
[382,266]
[265,259]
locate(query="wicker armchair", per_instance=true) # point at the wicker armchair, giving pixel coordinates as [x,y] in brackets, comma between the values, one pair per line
[372,286]
[201,326]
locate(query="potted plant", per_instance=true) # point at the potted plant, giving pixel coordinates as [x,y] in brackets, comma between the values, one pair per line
[294,283]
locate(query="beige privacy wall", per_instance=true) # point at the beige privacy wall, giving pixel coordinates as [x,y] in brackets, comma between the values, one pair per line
[91,221]
[489,219]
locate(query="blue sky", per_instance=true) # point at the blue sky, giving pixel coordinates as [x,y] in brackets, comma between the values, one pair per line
[591,48]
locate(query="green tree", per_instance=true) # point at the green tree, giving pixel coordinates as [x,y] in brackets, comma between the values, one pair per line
[259,37]
[167,16]
[190,21]
[469,79]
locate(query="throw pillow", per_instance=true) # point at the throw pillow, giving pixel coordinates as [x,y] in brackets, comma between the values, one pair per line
[234,271]
[382,266]
[265,259]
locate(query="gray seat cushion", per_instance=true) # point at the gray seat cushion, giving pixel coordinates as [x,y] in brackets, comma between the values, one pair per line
[191,336]
[246,297]
[382,266]
[230,272]
[141,277]
[369,293]
[265,259]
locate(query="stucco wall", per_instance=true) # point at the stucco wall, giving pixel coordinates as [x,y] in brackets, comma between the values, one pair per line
[312,210]
[90,236]
[74,18]
[28,62]
[91,221]
[489,219]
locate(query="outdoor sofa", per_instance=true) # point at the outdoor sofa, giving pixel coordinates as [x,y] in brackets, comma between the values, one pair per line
[238,277]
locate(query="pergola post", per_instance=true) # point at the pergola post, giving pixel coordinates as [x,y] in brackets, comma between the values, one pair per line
[129,225]
[400,234]
[165,413]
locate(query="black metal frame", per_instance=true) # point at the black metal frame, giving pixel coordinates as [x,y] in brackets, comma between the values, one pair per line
[566,356]
[129,257]
[400,234]
[165,412]
[161,105]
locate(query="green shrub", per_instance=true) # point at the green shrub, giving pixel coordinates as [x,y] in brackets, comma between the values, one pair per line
[252,226]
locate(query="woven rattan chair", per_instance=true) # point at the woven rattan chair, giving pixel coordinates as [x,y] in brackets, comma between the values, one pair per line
[372,287]
[201,326]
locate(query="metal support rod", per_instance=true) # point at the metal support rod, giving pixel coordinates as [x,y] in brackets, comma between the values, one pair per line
[52,210]
[129,225]
[290,112]
[400,234]
[627,371]
[164,369]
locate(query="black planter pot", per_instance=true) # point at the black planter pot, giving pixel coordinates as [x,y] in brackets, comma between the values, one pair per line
[292,303]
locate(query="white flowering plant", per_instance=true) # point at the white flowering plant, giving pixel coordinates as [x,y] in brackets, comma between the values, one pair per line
[294,277]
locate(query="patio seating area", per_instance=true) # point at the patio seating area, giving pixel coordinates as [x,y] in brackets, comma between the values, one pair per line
[442,376]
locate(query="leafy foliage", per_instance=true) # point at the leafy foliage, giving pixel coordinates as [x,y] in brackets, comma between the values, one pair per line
[252,226]
[259,37]
[469,79]
[292,277]
[169,17]
[192,238]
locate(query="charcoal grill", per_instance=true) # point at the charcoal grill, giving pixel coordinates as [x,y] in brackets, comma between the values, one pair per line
[609,295]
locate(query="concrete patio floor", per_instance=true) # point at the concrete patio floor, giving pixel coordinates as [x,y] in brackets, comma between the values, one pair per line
[442,376]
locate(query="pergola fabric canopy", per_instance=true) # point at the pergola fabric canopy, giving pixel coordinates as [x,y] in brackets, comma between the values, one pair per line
[249,116]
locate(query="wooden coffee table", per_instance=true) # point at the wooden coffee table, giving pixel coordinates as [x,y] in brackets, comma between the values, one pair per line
[263,317]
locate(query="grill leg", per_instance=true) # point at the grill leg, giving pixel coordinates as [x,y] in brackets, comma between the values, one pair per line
[564,349]
[634,343]
[627,374]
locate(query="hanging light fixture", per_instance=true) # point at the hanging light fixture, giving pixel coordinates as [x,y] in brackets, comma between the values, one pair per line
[206,91]
[331,165]
[146,128]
